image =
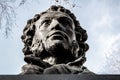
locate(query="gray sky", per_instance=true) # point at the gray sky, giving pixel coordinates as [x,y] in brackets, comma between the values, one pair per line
[99,17]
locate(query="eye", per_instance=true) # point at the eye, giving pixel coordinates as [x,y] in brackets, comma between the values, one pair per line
[46,22]
[66,22]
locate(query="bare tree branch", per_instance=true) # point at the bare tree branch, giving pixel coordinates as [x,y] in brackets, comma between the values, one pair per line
[22,2]
[7,16]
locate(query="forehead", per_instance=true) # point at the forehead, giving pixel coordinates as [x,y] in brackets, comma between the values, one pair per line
[55,14]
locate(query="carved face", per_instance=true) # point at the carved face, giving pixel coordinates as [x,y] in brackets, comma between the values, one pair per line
[54,30]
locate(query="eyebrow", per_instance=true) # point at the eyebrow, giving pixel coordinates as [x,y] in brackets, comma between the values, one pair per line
[66,18]
[45,17]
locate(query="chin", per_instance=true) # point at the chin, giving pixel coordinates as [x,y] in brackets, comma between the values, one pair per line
[61,44]
[58,49]
[57,43]
[55,46]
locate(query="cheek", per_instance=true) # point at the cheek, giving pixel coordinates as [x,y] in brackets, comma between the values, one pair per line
[39,34]
[42,34]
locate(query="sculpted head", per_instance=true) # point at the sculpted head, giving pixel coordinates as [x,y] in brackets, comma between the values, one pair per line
[55,33]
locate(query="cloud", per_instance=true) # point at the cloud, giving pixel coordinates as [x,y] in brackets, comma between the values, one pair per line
[101,20]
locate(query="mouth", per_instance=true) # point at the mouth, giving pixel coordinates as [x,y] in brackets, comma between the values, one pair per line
[57,35]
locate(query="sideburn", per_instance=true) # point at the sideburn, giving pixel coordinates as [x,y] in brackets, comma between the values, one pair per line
[75,48]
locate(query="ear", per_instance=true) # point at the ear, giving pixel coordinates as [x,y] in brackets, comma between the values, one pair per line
[75,48]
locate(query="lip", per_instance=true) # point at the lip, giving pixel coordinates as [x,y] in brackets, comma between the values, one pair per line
[58,34]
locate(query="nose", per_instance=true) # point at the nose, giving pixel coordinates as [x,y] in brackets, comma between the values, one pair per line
[56,25]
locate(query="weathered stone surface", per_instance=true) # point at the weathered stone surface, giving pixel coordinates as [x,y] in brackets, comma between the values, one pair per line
[54,43]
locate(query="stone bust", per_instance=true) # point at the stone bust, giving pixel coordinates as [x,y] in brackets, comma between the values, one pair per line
[54,43]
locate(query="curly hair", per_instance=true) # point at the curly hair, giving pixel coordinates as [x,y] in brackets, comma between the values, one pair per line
[29,31]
